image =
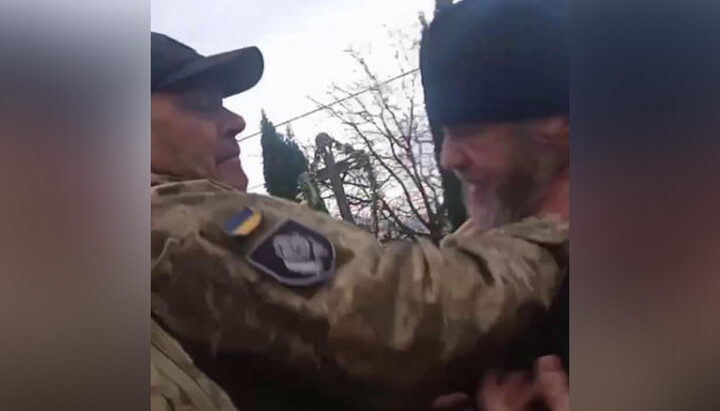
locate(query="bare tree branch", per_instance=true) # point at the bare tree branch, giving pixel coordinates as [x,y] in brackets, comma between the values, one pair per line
[393,185]
[384,164]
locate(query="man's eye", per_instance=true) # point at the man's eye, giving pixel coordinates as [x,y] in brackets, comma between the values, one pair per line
[202,104]
[208,105]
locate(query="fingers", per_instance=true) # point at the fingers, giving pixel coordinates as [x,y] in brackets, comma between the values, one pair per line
[548,363]
[451,401]
[511,393]
[552,383]
[488,394]
[516,391]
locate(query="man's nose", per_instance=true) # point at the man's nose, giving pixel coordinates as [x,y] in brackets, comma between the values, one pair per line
[233,124]
[453,156]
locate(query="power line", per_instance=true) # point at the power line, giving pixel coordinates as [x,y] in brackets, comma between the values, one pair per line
[399,76]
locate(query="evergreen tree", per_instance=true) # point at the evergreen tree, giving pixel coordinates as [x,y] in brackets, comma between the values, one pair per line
[283,161]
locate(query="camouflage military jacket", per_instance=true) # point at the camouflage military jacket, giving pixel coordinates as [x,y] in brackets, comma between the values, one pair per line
[175,383]
[325,298]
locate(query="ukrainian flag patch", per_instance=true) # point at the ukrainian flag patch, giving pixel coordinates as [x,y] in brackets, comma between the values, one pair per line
[243,222]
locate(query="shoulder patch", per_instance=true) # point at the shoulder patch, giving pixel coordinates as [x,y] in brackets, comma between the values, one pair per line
[295,255]
[242,223]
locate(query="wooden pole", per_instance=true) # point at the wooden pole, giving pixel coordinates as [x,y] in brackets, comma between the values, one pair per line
[324,144]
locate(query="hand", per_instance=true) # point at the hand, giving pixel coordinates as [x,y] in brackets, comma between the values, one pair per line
[553,383]
[451,401]
[514,392]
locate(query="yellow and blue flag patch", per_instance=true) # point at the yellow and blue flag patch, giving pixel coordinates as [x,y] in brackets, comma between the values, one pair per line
[243,222]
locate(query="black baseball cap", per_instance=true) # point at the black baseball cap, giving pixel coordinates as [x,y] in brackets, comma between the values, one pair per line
[176,66]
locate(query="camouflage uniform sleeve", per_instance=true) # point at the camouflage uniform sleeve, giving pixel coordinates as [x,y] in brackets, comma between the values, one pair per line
[175,382]
[394,316]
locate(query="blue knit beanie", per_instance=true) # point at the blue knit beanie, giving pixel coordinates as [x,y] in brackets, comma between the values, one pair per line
[497,61]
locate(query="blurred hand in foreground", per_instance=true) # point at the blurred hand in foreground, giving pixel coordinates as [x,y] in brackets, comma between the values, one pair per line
[518,391]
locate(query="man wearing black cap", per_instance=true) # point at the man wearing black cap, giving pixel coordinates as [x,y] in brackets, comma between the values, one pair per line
[300,297]
[193,136]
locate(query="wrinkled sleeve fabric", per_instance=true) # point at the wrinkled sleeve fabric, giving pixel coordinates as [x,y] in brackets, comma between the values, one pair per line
[392,315]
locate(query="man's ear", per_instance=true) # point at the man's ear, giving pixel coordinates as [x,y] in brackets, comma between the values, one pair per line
[555,130]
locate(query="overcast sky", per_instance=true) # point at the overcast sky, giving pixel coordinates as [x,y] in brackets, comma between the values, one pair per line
[303,42]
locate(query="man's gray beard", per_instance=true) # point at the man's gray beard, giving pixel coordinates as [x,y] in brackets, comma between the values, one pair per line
[488,215]
[512,204]
[522,190]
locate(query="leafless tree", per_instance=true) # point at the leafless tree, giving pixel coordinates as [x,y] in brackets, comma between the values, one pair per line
[391,180]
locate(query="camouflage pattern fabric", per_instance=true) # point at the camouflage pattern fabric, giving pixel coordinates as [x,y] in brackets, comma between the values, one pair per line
[400,318]
[175,383]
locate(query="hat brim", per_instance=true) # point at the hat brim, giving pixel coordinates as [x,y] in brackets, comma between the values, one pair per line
[232,72]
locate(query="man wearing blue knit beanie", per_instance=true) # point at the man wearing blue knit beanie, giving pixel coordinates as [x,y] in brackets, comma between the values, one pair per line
[496,80]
